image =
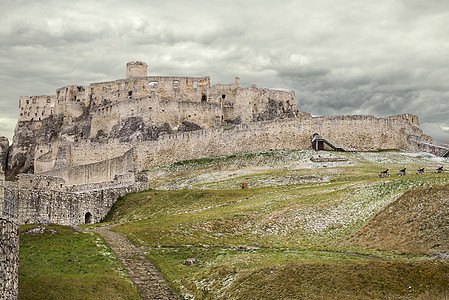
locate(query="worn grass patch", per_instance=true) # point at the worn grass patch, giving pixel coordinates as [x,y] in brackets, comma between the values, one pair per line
[417,222]
[226,273]
[61,263]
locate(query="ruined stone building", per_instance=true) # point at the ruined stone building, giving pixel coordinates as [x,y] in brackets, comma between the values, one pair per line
[91,142]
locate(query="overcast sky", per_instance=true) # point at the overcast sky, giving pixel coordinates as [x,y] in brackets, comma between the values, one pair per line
[380,57]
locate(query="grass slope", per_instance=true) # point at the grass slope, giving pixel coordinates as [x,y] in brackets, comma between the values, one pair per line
[311,225]
[417,222]
[297,225]
[61,263]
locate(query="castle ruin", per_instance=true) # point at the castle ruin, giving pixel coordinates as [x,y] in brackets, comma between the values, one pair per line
[86,140]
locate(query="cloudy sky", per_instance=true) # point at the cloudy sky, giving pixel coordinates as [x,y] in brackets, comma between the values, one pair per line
[380,57]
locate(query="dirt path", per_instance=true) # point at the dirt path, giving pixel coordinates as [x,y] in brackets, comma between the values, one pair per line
[144,275]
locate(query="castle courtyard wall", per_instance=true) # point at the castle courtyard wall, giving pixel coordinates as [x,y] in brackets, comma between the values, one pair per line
[70,208]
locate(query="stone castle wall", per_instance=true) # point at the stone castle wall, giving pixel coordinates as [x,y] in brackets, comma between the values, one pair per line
[357,133]
[9,258]
[36,107]
[70,207]
[441,150]
[103,171]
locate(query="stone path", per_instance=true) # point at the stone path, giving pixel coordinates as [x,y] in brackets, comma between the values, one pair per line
[146,277]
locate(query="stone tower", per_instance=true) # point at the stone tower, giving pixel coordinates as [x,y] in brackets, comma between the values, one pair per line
[136,69]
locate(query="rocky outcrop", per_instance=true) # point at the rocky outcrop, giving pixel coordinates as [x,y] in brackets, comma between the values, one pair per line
[50,132]
[188,126]
[134,130]
[276,109]
[4,148]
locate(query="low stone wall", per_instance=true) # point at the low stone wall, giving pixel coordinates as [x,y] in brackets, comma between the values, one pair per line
[70,208]
[433,148]
[9,258]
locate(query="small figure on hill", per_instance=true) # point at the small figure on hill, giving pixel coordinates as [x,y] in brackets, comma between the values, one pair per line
[420,171]
[439,170]
[402,172]
[384,174]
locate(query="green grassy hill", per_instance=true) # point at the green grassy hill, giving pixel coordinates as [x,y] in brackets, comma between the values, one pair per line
[311,225]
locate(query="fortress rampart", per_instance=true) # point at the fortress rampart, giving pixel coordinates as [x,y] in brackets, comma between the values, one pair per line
[358,133]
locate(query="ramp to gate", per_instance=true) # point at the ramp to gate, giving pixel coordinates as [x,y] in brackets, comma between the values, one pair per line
[318,142]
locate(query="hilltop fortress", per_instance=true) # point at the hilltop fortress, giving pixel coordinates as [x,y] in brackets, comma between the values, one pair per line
[75,152]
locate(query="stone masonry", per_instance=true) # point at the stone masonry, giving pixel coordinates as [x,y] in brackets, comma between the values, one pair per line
[69,205]
[9,258]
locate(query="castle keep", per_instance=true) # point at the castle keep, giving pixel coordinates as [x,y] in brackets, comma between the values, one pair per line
[86,145]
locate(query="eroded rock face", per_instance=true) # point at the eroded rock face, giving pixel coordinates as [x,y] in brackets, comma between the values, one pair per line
[276,109]
[188,126]
[135,130]
[28,134]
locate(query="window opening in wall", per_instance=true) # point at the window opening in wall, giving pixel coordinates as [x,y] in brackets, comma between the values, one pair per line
[223,96]
[195,84]
[130,93]
[88,218]
[34,101]
[48,100]
[204,98]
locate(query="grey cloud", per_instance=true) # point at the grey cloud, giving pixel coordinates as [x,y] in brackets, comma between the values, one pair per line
[350,57]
